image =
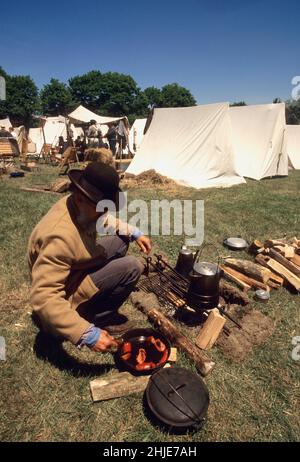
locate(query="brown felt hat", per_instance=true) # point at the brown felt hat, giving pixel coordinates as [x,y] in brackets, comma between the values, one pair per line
[97,181]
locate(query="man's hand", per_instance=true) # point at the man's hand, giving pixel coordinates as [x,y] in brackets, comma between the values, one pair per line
[105,343]
[144,243]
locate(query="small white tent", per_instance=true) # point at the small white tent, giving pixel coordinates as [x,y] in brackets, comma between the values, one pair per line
[53,128]
[191,145]
[257,137]
[36,140]
[292,144]
[84,115]
[136,134]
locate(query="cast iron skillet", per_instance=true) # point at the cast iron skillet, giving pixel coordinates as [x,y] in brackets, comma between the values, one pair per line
[137,338]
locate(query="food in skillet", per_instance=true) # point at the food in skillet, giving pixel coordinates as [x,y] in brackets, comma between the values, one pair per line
[149,355]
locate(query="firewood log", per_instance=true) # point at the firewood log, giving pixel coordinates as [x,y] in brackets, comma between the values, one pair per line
[296,260]
[250,269]
[262,260]
[285,262]
[255,247]
[245,279]
[231,277]
[285,273]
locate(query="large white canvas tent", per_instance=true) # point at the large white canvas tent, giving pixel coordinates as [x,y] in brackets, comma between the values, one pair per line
[136,134]
[191,145]
[292,144]
[84,115]
[5,123]
[257,138]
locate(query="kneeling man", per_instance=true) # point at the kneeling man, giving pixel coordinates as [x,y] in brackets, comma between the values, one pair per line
[78,280]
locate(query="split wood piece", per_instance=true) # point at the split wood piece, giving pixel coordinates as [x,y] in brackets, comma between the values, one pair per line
[149,305]
[272,242]
[256,247]
[228,275]
[263,260]
[273,285]
[40,191]
[295,242]
[173,355]
[286,250]
[285,262]
[285,273]
[117,385]
[289,251]
[210,330]
[232,294]
[249,268]
[245,279]
[296,260]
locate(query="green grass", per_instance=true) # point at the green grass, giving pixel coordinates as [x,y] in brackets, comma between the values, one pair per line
[45,389]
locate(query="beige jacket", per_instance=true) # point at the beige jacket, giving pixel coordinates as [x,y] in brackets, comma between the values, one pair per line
[60,254]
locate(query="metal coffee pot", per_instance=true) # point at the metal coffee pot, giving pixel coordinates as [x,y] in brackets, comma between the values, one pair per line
[203,292]
[185,261]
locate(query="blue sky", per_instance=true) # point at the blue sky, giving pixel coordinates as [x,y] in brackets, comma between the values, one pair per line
[222,50]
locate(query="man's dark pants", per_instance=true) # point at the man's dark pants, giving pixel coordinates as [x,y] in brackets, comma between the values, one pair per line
[115,280]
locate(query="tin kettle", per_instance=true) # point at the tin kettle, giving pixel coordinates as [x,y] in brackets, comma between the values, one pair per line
[185,261]
[203,292]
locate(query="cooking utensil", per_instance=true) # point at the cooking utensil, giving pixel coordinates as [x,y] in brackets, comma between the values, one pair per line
[178,398]
[236,243]
[138,339]
[203,291]
[262,295]
[185,261]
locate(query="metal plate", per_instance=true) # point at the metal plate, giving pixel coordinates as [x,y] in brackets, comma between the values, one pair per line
[235,243]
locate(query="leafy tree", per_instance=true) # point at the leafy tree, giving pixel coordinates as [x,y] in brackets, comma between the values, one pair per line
[239,103]
[110,93]
[153,96]
[119,93]
[22,99]
[55,98]
[173,95]
[86,89]
[139,107]
[292,112]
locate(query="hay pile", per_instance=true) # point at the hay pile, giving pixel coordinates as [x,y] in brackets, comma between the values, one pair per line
[148,178]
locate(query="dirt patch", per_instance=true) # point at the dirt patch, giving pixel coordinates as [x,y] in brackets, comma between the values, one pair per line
[149,178]
[257,328]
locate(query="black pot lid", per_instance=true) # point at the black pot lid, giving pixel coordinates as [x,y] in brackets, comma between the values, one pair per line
[178,397]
